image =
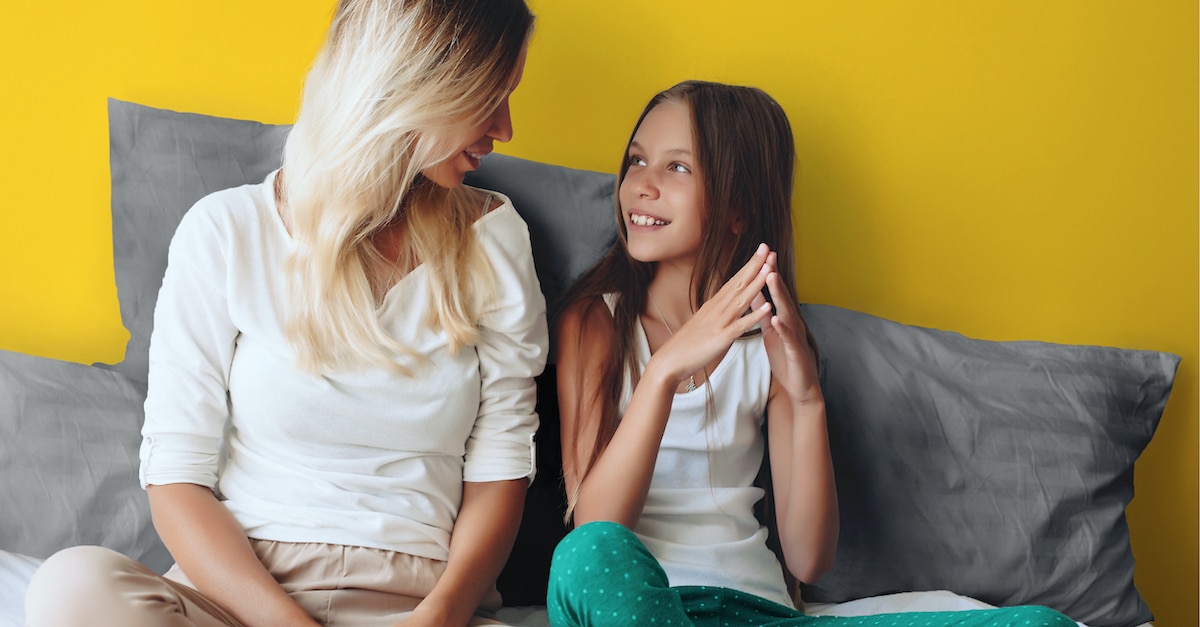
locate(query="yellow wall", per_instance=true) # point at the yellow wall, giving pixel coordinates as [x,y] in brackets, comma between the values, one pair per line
[1010,170]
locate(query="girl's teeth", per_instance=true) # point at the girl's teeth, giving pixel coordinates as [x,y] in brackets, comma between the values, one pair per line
[641,220]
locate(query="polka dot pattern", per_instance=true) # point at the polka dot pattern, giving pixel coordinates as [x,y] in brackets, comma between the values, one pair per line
[601,575]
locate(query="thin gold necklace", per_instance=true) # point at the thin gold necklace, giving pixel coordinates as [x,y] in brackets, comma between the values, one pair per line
[691,384]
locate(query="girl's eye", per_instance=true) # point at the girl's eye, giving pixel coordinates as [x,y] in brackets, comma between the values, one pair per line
[679,167]
[633,160]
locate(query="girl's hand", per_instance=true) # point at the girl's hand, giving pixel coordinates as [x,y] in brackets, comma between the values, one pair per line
[729,314]
[793,362]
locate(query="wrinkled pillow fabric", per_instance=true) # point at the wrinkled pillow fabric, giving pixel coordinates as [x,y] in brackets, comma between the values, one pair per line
[69,460]
[996,470]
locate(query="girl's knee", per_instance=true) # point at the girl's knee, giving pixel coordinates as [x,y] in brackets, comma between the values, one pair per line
[1017,616]
[594,538]
[595,549]
[1038,615]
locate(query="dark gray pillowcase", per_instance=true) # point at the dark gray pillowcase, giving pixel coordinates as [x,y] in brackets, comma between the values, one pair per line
[69,460]
[997,470]
[164,161]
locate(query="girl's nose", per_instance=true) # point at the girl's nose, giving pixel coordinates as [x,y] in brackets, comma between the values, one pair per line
[644,183]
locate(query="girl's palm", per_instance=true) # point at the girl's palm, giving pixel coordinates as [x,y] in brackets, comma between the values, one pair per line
[793,362]
[721,320]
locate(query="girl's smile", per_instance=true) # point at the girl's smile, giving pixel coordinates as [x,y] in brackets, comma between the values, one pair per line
[640,219]
[661,196]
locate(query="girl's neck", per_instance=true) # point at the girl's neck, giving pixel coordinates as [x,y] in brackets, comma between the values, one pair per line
[671,291]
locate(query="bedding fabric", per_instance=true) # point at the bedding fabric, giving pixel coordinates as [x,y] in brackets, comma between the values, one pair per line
[69,460]
[16,571]
[998,470]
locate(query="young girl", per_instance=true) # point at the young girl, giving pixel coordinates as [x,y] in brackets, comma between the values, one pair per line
[673,353]
[341,399]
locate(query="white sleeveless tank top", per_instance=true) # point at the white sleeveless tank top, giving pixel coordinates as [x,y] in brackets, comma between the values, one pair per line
[699,521]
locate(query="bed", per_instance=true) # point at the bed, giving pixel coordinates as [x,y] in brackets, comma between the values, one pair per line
[970,473]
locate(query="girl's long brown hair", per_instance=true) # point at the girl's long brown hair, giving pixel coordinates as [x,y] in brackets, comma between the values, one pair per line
[746,157]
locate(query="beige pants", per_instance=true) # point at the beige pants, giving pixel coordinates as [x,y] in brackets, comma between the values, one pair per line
[338,585]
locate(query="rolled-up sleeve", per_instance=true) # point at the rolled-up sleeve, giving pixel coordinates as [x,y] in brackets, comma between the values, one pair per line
[191,349]
[512,350]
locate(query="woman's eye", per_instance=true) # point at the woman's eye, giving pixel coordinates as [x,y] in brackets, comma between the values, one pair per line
[679,167]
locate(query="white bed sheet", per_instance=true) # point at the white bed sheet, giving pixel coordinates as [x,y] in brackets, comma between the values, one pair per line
[16,570]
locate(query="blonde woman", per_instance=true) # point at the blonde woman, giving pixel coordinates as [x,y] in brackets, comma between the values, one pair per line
[340,412]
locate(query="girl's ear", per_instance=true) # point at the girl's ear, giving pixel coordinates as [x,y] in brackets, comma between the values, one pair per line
[737,225]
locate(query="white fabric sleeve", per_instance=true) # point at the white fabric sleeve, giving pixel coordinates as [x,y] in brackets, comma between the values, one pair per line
[512,349]
[191,349]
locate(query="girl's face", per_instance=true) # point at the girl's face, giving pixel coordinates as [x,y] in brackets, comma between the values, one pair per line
[476,142]
[661,192]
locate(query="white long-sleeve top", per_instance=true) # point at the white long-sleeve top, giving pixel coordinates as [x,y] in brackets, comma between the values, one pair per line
[364,458]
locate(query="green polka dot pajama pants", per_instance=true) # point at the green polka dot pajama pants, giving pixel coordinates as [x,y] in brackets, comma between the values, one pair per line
[603,575]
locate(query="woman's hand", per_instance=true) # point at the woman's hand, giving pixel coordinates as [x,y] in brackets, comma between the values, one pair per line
[422,616]
[793,361]
[728,315]
[211,548]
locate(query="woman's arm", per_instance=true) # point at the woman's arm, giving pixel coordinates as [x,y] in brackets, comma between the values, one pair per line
[480,544]
[186,414]
[801,469]
[498,463]
[212,549]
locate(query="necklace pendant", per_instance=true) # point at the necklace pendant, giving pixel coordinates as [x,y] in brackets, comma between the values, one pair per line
[691,384]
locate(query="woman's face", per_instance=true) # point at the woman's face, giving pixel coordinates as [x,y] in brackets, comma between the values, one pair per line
[497,126]
[661,200]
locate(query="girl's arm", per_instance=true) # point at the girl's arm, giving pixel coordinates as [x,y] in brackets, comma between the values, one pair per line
[615,487]
[801,469]
[212,549]
[482,539]
[802,474]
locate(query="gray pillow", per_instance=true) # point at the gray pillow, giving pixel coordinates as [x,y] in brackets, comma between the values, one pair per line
[569,213]
[69,463]
[164,161]
[997,470]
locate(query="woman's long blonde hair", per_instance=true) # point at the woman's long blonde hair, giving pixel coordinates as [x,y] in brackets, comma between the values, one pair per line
[391,93]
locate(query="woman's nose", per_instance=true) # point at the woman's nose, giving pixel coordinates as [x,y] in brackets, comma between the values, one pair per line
[501,128]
